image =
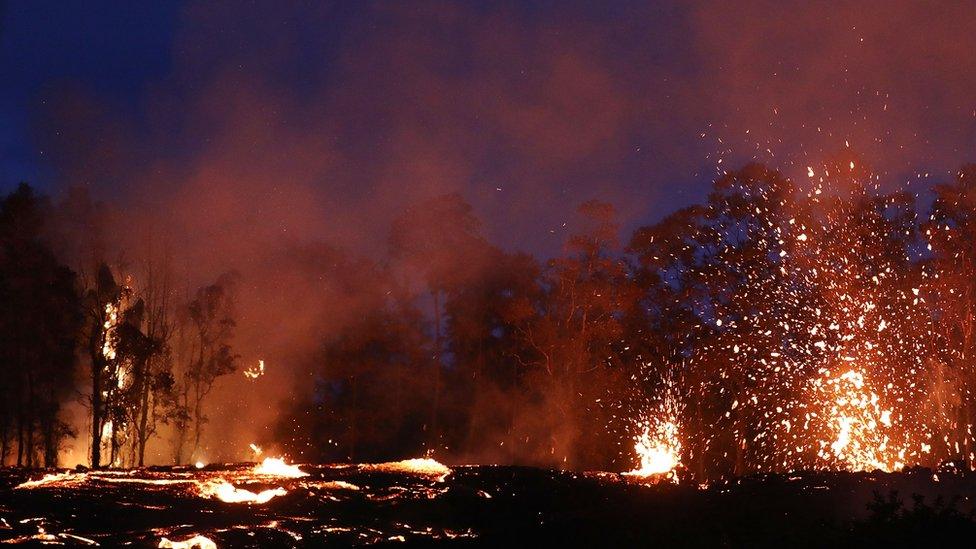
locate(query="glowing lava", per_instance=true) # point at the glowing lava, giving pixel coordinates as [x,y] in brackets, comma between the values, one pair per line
[196,542]
[424,467]
[276,467]
[228,493]
[859,425]
[658,449]
[54,480]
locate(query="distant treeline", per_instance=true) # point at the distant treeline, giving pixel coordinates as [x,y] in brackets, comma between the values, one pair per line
[757,311]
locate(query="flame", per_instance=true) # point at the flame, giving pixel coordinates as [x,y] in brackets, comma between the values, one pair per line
[54,480]
[424,467]
[111,322]
[277,467]
[255,371]
[859,425]
[657,446]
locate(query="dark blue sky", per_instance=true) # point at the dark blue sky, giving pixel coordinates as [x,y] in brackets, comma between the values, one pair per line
[111,48]
[324,118]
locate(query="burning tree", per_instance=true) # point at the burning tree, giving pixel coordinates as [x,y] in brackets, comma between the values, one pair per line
[102,303]
[121,354]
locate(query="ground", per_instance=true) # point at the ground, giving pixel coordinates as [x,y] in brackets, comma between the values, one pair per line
[482,506]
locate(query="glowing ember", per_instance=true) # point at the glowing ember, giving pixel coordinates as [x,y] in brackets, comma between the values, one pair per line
[424,467]
[255,371]
[228,493]
[278,468]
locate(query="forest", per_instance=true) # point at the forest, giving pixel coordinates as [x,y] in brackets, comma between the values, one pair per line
[820,323]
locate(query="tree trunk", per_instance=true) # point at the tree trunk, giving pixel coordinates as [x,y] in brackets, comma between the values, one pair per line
[142,433]
[352,422]
[31,419]
[197,427]
[20,438]
[52,435]
[96,407]
[4,439]
[435,405]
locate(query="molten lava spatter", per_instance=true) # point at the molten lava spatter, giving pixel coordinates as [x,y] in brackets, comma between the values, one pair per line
[277,467]
[859,425]
[424,467]
[659,449]
[228,493]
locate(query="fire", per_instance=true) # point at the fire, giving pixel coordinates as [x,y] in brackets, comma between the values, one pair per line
[858,423]
[657,446]
[54,479]
[255,371]
[658,449]
[277,467]
[424,467]
[334,485]
[111,323]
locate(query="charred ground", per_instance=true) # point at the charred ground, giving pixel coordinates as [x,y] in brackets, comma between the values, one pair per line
[489,505]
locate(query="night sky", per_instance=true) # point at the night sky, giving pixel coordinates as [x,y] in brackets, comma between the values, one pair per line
[525,108]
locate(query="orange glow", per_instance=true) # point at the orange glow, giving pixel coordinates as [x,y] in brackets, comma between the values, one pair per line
[196,542]
[859,425]
[658,449]
[228,493]
[424,467]
[276,467]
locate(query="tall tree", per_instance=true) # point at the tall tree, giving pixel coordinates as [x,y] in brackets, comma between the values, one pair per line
[574,332]
[40,320]
[950,232]
[440,239]
[370,371]
[211,318]
[485,347]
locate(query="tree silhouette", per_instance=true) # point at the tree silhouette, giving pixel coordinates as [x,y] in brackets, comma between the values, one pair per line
[40,321]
